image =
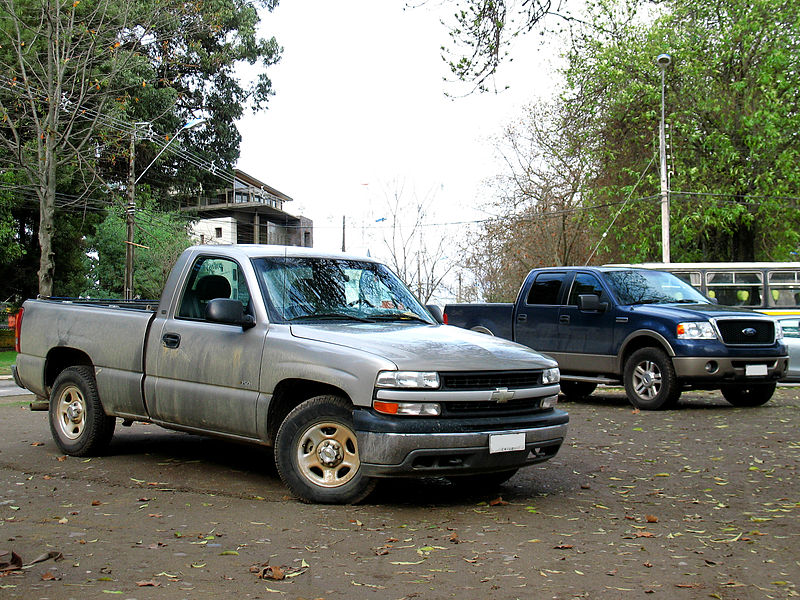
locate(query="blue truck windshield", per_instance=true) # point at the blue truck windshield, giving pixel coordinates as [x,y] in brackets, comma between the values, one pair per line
[639,286]
[319,289]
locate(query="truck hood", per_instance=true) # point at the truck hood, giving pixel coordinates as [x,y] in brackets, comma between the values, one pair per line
[694,312]
[419,347]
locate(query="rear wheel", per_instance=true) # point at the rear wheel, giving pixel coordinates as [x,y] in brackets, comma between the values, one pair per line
[650,381]
[577,390]
[748,395]
[79,425]
[316,453]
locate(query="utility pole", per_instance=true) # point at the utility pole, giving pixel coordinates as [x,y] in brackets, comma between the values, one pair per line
[130,211]
[663,61]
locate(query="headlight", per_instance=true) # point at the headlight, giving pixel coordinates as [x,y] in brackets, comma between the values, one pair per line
[407,379]
[414,409]
[552,375]
[695,330]
[778,331]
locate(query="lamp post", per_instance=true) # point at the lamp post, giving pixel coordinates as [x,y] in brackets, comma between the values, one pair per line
[663,61]
[131,191]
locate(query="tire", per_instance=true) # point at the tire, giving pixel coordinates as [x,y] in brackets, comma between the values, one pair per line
[577,390]
[748,395]
[323,424]
[650,381]
[78,423]
[482,481]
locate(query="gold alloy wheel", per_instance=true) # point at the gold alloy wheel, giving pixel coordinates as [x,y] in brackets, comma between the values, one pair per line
[71,412]
[327,454]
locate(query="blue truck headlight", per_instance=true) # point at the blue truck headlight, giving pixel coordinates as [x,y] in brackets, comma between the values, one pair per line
[696,330]
[408,379]
[778,331]
[552,375]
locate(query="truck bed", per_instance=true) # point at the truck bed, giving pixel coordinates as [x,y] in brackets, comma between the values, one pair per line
[109,333]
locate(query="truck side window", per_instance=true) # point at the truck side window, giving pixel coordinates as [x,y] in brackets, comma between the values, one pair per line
[585,284]
[545,288]
[212,278]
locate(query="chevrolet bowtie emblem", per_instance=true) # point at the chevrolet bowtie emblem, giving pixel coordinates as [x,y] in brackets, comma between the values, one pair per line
[501,395]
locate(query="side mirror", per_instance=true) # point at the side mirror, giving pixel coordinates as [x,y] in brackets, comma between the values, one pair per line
[228,312]
[436,313]
[713,300]
[591,302]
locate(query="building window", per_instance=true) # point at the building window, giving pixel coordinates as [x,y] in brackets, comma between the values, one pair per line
[218,232]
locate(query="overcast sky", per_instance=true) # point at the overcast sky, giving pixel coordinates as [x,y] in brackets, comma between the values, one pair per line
[360,109]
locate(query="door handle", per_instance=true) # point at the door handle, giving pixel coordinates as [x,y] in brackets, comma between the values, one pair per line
[523,318]
[564,319]
[171,340]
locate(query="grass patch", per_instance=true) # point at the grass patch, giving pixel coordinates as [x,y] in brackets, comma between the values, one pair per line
[7,358]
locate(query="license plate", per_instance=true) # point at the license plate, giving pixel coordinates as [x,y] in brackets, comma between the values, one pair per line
[506,442]
[755,370]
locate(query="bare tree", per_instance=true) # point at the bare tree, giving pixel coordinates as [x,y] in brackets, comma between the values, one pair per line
[417,251]
[540,213]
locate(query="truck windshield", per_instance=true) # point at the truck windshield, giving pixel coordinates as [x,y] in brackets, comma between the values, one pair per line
[309,289]
[637,286]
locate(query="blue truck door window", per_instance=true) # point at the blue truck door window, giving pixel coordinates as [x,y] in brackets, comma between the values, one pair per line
[541,332]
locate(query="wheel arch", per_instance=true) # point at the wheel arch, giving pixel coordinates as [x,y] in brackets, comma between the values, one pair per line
[61,358]
[289,394]
[642,339]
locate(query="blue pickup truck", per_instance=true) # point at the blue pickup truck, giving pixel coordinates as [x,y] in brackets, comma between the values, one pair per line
[645,329]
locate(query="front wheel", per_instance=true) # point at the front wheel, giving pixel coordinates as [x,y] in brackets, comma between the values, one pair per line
[78,423]
[316,453]
[650,381]
[748,395]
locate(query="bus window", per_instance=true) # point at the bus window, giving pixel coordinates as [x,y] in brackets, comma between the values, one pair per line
[734,288]
[691,277]
[784,288]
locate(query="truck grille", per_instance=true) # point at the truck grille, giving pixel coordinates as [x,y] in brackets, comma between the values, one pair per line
[746,332]
[513,407]
[490,380]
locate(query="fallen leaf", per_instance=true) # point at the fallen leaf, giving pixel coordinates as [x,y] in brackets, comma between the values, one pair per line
[454,538]
[150,583]
[645,534]
[498,502]
[563,547]
[651,519]
[48,576]
[96,503]
[37,444]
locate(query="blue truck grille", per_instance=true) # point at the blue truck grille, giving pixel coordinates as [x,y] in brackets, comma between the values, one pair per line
[746,332]
[490,380]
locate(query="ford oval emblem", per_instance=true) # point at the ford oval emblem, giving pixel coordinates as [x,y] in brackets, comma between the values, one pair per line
[749,331]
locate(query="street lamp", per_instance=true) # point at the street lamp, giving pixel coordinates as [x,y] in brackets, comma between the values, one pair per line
[131,208]
[663,61]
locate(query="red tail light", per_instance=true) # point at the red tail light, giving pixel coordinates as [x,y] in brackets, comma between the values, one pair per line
[17,327]
[444,318]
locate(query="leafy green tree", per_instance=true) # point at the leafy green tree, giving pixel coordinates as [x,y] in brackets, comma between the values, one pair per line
[78,73]
[160,238]
[734,111]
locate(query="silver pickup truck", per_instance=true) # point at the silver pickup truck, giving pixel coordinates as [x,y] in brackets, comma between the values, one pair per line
[326,357]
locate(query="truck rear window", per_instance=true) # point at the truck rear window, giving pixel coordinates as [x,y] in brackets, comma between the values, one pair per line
[545,288]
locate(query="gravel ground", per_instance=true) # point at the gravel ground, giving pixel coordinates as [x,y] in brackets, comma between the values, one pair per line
[699,502]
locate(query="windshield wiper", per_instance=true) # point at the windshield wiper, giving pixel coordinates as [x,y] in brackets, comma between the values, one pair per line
[399,317]
[331,315]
